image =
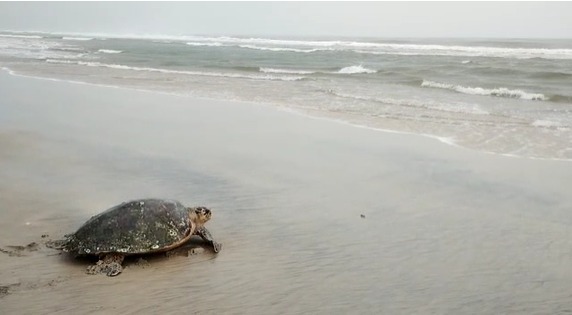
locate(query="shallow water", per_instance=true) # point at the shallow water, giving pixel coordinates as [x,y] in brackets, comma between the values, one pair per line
[446,230]
[506,96]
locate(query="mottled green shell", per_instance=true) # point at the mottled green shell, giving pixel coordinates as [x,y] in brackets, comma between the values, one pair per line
[135,227]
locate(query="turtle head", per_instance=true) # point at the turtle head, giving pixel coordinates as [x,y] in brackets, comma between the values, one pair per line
[202,214]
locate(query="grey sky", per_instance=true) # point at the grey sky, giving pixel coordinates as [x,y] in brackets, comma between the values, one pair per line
[379,19]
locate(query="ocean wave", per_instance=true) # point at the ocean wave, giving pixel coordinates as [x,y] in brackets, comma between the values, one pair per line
[68,48]
[347,70]
[285,71]
[110,51]
[280,49]
[77,38]
[517,53]
[36,47]
[395,48]
[198,73]
[457,107]
[205,44]
[21,36]
[265,41]
[62,61]
[365,47]
[355,70]
[500,92]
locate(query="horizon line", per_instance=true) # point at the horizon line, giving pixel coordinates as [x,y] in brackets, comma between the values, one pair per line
[142,35]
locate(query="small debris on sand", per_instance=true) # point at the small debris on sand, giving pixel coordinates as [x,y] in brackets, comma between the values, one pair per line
[362,216]
[195,251]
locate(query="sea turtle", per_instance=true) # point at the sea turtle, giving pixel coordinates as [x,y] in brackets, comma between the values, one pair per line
[137,227]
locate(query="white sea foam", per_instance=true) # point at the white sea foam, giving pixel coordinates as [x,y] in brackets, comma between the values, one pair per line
[198,73]
[501,92]
[110,51]
[466,62]
[355,70]
[77,38]
[285,71]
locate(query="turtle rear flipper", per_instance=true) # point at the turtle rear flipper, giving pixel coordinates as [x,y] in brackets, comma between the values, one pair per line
[109,265]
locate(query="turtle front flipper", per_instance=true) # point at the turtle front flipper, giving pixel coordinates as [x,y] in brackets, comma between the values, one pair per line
[109,265]
[206,235]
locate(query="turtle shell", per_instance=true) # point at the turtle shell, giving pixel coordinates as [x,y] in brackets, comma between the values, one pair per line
[135,227]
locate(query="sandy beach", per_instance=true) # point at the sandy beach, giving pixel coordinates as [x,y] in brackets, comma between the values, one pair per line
[315,216]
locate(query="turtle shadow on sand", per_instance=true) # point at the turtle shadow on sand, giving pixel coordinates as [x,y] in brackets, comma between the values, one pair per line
[137,229]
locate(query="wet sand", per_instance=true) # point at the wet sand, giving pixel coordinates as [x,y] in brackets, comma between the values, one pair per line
[444,230]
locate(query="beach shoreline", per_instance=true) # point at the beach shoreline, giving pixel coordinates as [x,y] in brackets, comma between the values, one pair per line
[312,114]
[444,229]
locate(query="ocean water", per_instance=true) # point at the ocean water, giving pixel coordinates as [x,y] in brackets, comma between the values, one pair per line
[510,96]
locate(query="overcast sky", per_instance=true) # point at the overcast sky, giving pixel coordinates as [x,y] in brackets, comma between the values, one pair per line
[377,19]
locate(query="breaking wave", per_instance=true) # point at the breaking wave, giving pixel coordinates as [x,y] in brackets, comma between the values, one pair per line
[346,70]
[205,44]
[77,38]
[110,51]
[199,73]
[21,36]
[285,71]
[364,47]
[280,49]
[500,92]
[388,48]
[356,69]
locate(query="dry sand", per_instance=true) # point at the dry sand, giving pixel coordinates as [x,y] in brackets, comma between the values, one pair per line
[445,230]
